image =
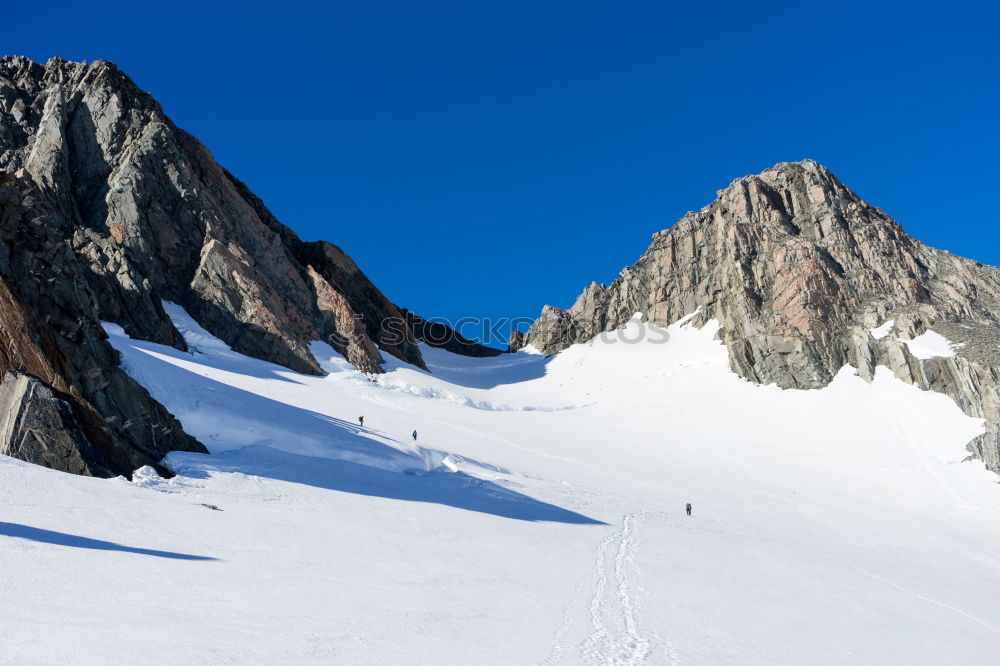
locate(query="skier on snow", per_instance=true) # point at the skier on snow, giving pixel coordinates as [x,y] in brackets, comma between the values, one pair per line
[361,420]
[688,508]
[414,435]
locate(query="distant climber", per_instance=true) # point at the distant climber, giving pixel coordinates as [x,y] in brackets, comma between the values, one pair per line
[688,508]
[414,435]
[361,420]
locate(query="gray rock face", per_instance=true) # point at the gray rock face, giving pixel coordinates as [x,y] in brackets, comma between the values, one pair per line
[37,427]
[106,210]
[65,403]
[155,218]
[357,316]
[797,269]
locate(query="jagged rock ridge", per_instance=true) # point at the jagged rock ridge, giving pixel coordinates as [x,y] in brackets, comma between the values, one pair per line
[109,209]
[798,269]
[156,218]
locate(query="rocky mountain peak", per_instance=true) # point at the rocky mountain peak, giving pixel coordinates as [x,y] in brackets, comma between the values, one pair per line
[797,269]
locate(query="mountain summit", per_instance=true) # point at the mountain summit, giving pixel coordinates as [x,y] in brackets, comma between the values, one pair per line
[806,277]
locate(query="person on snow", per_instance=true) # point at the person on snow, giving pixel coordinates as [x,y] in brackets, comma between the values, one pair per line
[361,420]
[688,508]
[414,435]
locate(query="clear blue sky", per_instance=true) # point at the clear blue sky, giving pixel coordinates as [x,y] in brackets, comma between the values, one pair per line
[485,158]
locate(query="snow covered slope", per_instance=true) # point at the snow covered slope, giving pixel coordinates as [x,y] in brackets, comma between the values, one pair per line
[538,518]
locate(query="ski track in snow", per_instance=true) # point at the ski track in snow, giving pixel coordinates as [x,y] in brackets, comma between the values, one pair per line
[627,646]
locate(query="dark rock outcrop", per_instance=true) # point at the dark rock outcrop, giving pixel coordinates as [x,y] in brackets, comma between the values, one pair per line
[155,218]
[64,402]
[798,269]
[440,335]
[374,321]
[107,209]
[40,428]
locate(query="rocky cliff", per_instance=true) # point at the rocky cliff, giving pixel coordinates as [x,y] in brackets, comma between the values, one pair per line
[798,270]
[109,209]
[64,402]
[155,218]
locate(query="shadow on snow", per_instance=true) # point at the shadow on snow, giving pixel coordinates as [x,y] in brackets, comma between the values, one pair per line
[454,489]
[328,452]
[477,373]
[74,541]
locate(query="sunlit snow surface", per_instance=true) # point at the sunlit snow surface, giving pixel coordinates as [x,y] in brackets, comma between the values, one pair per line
[931,345]
[538,518]
[883,330]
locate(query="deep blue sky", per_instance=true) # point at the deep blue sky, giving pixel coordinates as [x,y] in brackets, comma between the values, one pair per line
[485,158]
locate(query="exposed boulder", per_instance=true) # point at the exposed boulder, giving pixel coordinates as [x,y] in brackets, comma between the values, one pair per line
[38,427]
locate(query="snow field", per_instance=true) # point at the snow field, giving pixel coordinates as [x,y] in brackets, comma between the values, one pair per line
[539,518]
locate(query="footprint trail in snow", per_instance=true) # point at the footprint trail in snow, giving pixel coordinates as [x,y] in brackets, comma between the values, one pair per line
[616,635]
